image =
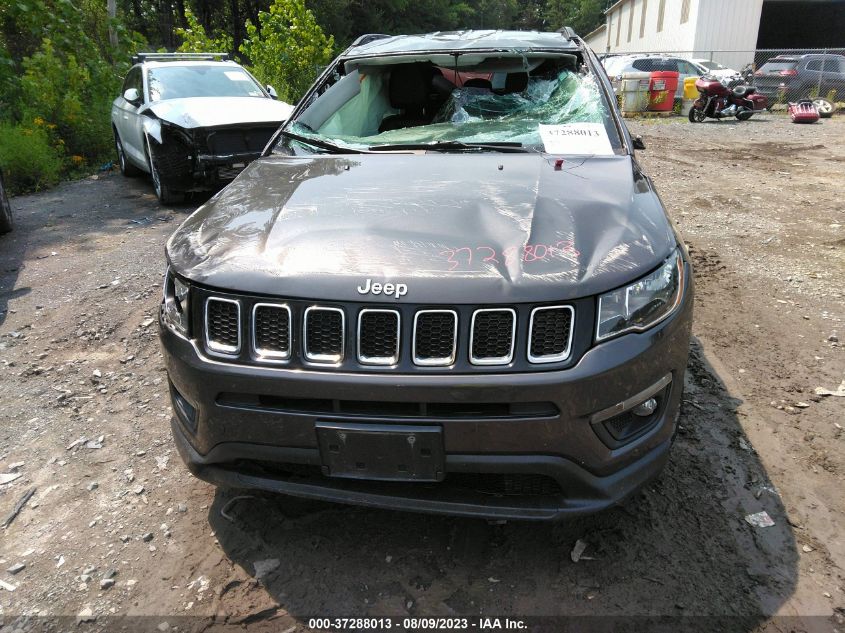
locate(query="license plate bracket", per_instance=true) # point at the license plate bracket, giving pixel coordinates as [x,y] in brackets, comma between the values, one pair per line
[386,452]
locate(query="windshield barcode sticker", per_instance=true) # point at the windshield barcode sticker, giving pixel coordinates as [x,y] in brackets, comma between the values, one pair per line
[576,138]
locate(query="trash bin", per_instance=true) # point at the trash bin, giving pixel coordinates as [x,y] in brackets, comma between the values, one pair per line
[661,90]
[634,89]
[690,91]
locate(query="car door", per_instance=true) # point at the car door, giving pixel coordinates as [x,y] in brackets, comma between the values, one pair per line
[129,124]
[812,80]
[833,77]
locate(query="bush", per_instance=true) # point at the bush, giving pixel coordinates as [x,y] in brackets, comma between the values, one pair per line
[73,97]
[27,159]
[289,49]
[196,40]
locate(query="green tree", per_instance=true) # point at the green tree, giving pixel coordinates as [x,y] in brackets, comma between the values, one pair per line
[196,40]
[582,15]
[287,48]
[74,99]
[59,73]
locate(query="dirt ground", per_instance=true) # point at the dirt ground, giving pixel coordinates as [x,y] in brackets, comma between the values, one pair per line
[84,419]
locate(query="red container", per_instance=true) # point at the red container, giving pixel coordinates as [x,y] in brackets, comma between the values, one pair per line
[803,112]
[661,90]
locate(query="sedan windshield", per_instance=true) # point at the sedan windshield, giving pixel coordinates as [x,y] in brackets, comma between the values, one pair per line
[496,105]
[180,82]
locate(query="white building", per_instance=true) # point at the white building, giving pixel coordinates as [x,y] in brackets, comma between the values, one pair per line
[595,39]
[696,28]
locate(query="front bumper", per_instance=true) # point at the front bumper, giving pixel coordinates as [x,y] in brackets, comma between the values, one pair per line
[205,171]
[219,170]
[270,448]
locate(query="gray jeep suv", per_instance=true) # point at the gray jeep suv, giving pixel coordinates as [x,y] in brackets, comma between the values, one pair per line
[447,286]
[793,77]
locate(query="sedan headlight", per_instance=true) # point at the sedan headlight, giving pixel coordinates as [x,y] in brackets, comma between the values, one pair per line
[176,306]
[644,303]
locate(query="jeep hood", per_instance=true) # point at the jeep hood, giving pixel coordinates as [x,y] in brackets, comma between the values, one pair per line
[456,228]
[197,112]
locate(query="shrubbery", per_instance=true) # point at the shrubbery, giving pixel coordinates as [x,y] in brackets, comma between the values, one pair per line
[58,76]
[28,159]
[287,49]
[75,98]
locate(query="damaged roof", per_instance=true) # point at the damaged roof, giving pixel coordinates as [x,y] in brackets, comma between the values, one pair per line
[447,41]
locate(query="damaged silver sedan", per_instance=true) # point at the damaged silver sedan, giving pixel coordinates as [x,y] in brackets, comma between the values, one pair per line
[192,121]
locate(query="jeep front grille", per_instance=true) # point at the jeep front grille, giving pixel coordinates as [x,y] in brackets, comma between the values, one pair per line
[271,331]
[324,334]
[388,337]
[550,334]
[223,325]
[492,336]
[378,336]
[435,337]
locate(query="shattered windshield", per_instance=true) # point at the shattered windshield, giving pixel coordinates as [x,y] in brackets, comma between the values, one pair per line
[181,82]
[531,104]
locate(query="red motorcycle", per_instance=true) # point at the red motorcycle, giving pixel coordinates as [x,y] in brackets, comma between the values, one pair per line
[718,101]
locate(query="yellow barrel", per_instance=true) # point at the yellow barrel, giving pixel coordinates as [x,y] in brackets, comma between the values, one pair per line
[690,91]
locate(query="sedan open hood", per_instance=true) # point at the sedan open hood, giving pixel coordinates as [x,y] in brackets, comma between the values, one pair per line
[197,112]
[453,228]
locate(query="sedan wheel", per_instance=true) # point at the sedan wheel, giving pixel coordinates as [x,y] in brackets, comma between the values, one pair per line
[164,193]
[826,108]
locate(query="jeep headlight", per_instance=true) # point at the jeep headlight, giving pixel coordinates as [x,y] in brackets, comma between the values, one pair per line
[644,303]
[176,306]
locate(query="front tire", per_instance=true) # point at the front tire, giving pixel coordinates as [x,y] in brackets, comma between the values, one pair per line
[164,193]
[744,116]
[826,108]
[696,115]
[5,209]
[126,168]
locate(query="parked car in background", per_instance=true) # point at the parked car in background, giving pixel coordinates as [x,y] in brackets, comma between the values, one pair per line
[795,77]
[715,69]
[192,121]
[5,208]
[447,286]
[617,65]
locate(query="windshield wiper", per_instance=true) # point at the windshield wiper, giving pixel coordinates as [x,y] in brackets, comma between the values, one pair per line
[313,142]
[445,146]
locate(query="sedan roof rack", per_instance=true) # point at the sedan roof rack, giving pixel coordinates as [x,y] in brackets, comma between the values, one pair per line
[175,57]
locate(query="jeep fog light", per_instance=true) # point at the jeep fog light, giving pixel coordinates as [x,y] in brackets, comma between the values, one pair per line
[645,409]
[644,303]
[176,304]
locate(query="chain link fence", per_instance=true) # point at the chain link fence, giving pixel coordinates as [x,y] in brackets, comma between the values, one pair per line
[782,75]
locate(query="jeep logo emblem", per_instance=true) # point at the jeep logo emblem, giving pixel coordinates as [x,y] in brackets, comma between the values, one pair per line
[397,290]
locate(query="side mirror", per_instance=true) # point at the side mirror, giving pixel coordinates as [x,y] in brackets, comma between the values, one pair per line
[132,96]
[271,91]
[638,142]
